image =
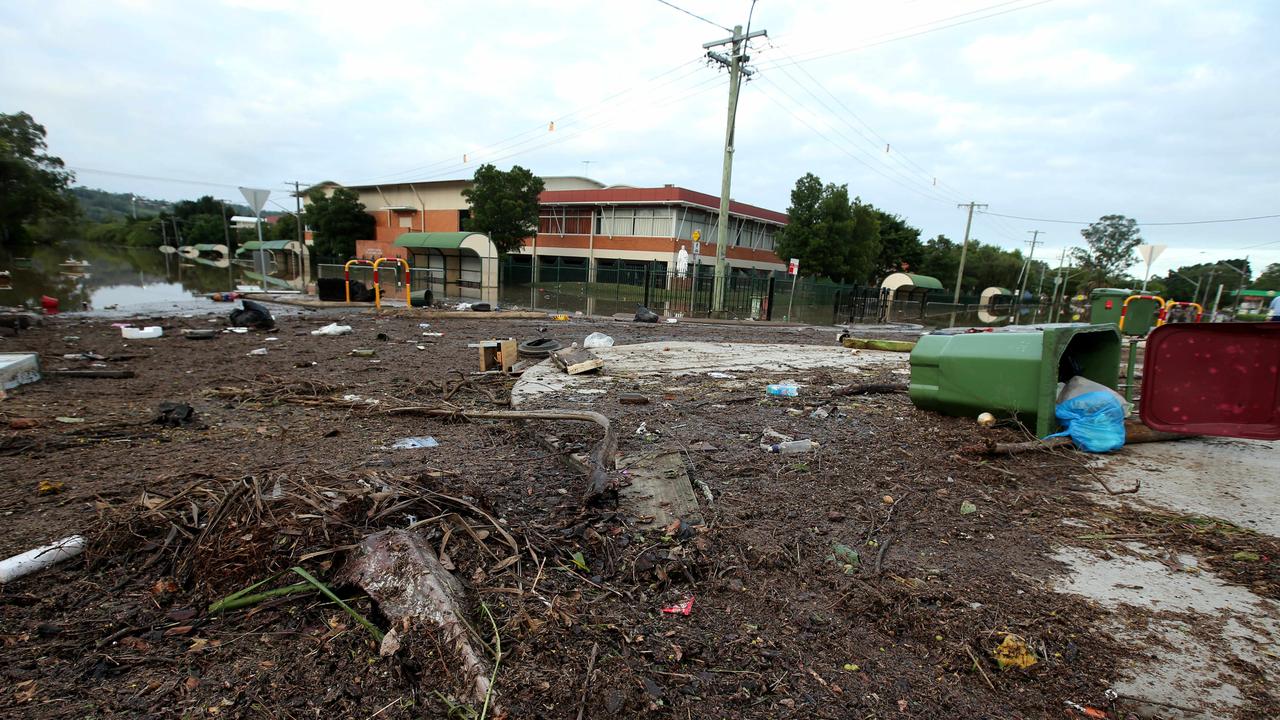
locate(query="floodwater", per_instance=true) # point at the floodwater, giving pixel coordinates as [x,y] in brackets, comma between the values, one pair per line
[87,276]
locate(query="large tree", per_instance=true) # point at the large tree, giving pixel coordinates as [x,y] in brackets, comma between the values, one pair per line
[829,234]
[338,221]
[1189,281]
[504,205]
[1112,241]
[33,184]
[1269,279]
[900,248]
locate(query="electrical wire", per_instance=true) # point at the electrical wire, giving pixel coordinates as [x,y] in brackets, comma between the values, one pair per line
[820,55]
[695,15]
[1140,224]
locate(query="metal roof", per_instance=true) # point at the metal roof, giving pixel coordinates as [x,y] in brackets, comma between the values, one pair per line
[924,281]
[435,240]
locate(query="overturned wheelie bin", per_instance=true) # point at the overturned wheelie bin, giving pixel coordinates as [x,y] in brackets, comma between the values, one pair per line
[1011,372]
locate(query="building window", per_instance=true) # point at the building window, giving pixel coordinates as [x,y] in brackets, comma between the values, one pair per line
[464,216]
[406,221]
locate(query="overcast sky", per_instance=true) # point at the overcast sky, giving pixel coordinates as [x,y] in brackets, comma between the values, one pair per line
[1162,110]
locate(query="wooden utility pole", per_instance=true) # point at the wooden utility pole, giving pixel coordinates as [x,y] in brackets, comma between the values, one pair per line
[964,248]
[735,62]
[1022,287]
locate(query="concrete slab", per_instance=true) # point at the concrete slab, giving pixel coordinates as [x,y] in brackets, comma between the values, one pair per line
[18,369]
[1195,626]
[1235,480]
[655,360]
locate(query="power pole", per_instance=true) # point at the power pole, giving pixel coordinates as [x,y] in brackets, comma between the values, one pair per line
[964,248]
[304,256]
[1058,284]
[1035,235]
[734,62]
[226,240]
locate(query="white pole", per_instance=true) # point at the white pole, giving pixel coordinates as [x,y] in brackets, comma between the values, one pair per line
[1216,300]
[40,558]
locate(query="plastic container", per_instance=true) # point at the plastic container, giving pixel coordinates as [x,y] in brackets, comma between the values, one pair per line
[150,332]
[787,389]
[1105,305]
[791,447]
[597,340]
[1010,373]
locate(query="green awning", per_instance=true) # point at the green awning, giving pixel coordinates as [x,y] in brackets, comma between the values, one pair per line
[434,240]
[924,281]
[1255,293]
[266,245]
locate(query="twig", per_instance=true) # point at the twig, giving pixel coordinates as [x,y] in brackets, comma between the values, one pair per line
[880,555]
[497,658]
[586,680]
[978,665]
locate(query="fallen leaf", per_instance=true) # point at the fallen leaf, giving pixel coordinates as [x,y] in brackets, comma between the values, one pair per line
[23,423]
[26,690]
[49,487]
[198,645]
[390,644]
[136,643]
[968,508]
[1246,556]
[70,420]
[163,586]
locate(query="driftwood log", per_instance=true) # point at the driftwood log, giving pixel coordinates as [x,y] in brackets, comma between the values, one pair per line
[600,486]
[871,389]
[404,576]
[107,374]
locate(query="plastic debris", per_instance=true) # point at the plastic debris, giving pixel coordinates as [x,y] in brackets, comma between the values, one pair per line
[597,340]
[986,420]
[413,443]
[69,420]
[363,352]
[333,329]
[424,326]
[147,333]
[237,330]
[791,447]
[259,351]
[1093,415]
[672,321]
[845,555]
[253,315]
[722,376]
[786,389]
[681,608]
[968,508]
[645,315]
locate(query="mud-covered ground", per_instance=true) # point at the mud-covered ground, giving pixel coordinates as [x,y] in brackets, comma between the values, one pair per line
[287,464]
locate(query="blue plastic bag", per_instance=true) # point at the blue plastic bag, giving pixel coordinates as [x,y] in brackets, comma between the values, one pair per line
[1094,421]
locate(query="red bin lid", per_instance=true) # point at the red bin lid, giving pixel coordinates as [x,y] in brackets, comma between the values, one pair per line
[1214,379]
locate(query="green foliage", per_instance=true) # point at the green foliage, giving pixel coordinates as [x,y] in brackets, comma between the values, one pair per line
[1181,284]
[338,221]
[830,235]
[984,266]
[144,232]
[1269,279]
[1112,241]
[33,184]
[504,205]
[286,228]
[204,205]
[900,247]
[99,205]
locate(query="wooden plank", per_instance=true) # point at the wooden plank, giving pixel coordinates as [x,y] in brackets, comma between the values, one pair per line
[869,344]
[660,488]
[576,360]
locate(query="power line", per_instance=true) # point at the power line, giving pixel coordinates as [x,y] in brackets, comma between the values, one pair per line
[1141,224]
[838,146]
[695,15]
[833,53]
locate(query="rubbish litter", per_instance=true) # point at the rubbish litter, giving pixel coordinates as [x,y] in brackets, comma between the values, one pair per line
[147,333]
[259,351]
[69,420]
[413,443]
[642,429]
[224,296]
[597,340]
[333,329]
[237,330]
[672,321]
[790,447]
[722,376]
[968,508]
[424,326]
[681,608]
[842,554]
[786,389]
[432,334]
[83,356]
[1013,652]
[538,347]
[363,352]
[462,306]
[40,558]
[986,420]
[252,315]
[202,334]
[173,414]
[352,398]
[1093,415]
[645,315]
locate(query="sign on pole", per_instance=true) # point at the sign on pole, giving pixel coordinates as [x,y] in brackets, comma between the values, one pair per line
[256,198]
[1149,254]
[793,268]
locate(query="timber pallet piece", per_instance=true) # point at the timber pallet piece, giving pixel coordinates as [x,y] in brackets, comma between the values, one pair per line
[576,360]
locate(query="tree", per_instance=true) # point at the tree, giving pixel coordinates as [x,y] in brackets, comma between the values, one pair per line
[504,205]
[1269,279]
[830,235]
[33,184]
[286,228]
[1188,282]
[337,221]
[900,248]
[1112,241]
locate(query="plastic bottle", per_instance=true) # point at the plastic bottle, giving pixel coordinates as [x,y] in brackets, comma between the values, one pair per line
[786,389]
[791,447]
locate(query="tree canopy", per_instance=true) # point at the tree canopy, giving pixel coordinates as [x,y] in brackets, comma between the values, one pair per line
[337,222]
[1188,282]
[900,248]
[504,205]
[830,235]
[1269,279]
[1112,241]
[33,183]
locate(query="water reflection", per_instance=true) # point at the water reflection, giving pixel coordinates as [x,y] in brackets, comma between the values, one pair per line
[89,276]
